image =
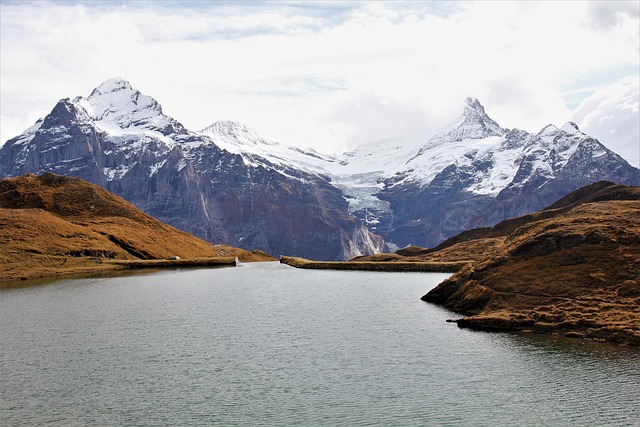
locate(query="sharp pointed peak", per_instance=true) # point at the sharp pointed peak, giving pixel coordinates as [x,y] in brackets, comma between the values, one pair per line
[472,101]
[473,123]
[472,106]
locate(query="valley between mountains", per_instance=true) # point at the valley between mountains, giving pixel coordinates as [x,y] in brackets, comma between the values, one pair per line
[547,224]
[569,269]
[226,184]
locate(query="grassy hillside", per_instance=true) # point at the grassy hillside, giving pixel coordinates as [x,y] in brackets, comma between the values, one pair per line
[572,269]
[52,225]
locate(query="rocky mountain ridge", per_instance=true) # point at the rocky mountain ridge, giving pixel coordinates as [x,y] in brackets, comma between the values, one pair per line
[472,174]
[226,183]
[120,139]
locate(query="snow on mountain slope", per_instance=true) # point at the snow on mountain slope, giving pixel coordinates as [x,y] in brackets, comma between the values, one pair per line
[474,123]
[116,106]
[239,139]
[473,142]
[472,174]
[359,174]
[491,157]
[120,139]
[474,137]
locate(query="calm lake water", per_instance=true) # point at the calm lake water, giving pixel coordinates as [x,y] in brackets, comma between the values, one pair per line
[266,344]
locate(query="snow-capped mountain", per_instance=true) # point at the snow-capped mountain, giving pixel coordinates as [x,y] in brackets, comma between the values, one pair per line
[227,184]
[119,139]
[239,139]
[474,173]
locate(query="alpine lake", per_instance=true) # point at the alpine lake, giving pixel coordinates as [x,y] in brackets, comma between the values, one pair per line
[264,344]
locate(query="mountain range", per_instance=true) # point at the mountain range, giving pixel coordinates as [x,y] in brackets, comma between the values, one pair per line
[227,184]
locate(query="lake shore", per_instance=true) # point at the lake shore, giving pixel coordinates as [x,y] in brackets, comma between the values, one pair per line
[79,267]
[396,266]
[574,273]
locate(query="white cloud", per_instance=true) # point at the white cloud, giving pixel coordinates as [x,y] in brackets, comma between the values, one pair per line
[324,74]
[611,115]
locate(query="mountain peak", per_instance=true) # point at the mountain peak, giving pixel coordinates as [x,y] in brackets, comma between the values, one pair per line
[547,130]
[115,93]
[472,102]
[228,127]
[116,103]
[474,123]
[114,84]
[235,130]
[474,109]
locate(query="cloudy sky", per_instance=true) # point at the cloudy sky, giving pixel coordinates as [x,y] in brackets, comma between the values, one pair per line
[332,75]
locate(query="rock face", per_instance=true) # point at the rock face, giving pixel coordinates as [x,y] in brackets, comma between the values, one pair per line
[572,269]
[119,139]
[227,184]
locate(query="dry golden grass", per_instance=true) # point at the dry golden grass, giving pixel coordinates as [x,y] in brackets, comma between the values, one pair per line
[52,225]
[577,274]
[465,251]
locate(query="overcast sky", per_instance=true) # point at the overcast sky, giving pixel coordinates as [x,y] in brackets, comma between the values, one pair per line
[332,75]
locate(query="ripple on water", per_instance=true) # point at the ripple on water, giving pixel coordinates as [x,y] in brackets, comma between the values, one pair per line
[270,345]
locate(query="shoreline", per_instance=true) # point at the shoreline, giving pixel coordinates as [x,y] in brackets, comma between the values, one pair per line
[582,330]
[85,267]
[178,263]
[398,266]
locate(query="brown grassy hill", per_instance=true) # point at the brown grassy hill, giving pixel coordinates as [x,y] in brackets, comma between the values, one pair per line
[575,272]
[475,244]
[51,224]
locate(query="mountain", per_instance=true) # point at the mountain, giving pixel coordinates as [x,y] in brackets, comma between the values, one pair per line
[472,174]
[51,224]
[570,269]
[120,140]
[225,183]
[475,174]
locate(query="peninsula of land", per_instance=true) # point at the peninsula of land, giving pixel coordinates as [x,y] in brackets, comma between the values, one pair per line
[572,269]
